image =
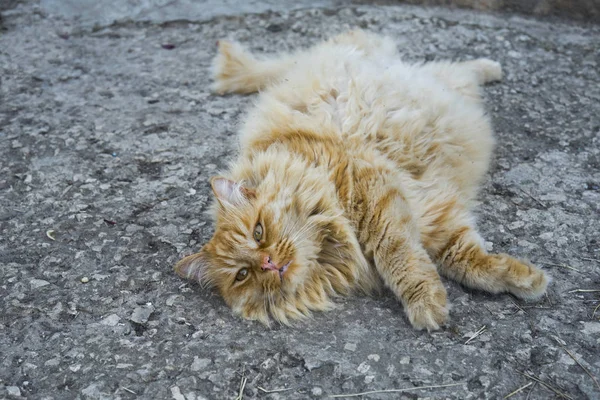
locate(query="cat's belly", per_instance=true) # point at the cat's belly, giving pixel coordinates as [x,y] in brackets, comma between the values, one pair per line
[398,110]
[410,118]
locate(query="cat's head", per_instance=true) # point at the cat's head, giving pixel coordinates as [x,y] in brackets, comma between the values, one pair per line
[274,247]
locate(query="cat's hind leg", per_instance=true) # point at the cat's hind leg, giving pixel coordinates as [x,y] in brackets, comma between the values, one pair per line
[485,70]
[236,70]
[466,77]
[458,250]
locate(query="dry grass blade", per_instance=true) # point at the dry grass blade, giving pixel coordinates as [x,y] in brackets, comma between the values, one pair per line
[240,395]
[590,259]
[547,386]
[530,390]
[517,305]
[273,390]
[128,390]
[396,390]
[582,367]
[487,308]
[534,198]
[51,234]
[479,332]
[560,265]
[595,309]
[584,291]
[569,267]
[518,390]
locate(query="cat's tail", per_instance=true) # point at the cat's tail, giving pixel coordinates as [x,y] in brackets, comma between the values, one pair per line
[236,70]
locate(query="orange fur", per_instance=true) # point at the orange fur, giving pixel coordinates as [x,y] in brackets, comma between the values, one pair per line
[361,171]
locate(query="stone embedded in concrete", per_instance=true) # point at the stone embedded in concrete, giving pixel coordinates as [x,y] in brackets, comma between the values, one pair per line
[141,314]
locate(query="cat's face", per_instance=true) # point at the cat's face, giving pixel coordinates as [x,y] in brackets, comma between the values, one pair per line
[264,255]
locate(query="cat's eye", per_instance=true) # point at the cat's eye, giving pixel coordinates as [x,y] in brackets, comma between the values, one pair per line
[258,232]
[242,274]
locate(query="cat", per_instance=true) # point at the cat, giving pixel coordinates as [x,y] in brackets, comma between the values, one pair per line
[356,171]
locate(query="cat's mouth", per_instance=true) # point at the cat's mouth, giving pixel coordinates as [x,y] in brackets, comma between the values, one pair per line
[283,269]
[268,265]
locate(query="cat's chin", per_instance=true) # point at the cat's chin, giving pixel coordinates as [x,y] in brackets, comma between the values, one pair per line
[278,311]
[298,295]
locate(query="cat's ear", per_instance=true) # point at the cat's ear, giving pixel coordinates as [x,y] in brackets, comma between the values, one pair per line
[194,267]
[230,192]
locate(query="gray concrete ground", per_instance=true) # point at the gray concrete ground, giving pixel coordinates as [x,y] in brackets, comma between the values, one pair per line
[108,137]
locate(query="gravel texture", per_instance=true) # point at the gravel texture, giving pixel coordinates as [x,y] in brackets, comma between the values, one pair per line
[109,134]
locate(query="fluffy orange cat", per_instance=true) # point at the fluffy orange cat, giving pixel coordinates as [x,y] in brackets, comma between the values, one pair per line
[356,170]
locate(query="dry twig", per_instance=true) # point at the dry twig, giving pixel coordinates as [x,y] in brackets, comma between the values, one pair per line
[536,200]
[128,390]
[584,291]
[530,390]
[479,332]
[487,308]
[518,390]
[396,390]
[273,390]
[560,265]
[547,386]
[590,259]
[517,305]
[240,395]
[582,367]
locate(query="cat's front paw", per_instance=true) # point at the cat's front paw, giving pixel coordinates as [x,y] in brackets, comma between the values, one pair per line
[427,309]
[521,278]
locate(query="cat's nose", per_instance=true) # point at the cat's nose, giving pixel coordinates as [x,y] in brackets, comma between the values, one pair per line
[268,264]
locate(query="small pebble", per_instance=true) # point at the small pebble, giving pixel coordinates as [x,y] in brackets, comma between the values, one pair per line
[111,320]
[52,363]
[141,314]
[75,367]
[350,346]
[13,391]
[38,283]
[200,364]
[85,279]
[176,393]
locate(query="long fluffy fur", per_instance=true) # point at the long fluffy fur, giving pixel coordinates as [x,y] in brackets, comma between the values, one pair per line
[362,170]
